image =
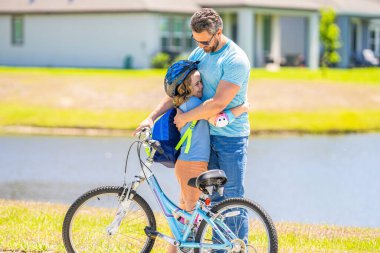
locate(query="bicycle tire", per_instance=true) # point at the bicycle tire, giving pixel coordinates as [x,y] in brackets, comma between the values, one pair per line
[78,209]
[266,221]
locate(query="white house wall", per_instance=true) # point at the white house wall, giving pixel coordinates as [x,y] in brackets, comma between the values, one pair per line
[82,40]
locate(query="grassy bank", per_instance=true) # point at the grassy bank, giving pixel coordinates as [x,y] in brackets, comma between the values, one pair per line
[36,227]
[359,75]
[339,121]
[352,76]
[291,100]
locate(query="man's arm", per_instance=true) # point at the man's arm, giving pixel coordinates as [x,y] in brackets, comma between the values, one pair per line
[224,94]
[235,112]
[161,108]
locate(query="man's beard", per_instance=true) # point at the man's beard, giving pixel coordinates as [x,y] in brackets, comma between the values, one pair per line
[213,48]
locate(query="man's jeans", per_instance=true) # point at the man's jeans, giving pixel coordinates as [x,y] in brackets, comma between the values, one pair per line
[230,155]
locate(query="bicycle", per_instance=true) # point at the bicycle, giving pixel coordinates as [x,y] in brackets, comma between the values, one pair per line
[118,219]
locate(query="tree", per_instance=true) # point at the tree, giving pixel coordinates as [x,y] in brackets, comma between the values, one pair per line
[330,38]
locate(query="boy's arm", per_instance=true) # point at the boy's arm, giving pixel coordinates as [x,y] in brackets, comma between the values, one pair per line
[228,116]
[225,92]
[161,108]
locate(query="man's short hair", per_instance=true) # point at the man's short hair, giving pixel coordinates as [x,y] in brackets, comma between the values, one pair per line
[206,19]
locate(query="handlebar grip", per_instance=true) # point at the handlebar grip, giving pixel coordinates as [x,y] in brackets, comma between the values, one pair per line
[146,131]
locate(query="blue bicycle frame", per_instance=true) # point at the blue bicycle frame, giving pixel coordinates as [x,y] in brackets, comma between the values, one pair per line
[182,231]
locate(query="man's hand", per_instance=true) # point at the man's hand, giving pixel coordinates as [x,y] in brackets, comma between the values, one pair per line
[148,122]
[178,121]
[246,106]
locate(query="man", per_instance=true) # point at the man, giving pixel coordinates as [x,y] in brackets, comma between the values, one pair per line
[225,69]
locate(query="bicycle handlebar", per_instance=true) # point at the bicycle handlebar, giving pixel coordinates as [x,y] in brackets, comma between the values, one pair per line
[145,130]
[147,140]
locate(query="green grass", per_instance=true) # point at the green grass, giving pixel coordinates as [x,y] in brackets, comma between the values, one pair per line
[84,72]
[324,238]
[36,227]
[339,121]
[56,117]
[301,122]
[353,76]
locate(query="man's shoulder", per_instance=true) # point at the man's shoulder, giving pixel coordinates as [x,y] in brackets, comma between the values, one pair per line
[236,55]
[196,54]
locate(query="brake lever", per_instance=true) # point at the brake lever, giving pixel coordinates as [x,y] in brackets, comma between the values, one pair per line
[157,146]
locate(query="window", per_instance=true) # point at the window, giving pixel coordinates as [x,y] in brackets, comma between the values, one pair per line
[189,42]
[354,36]
[178,25]
[267,29]
[17,30]
[176,34]
[234,27]
[374,39]
[165,33]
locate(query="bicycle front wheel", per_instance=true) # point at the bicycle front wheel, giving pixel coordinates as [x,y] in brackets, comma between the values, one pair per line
[87,220]
[247,220]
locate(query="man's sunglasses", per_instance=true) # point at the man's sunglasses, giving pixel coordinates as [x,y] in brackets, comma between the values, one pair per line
[204,43]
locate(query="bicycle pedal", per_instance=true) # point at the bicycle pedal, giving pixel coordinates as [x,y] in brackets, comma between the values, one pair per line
[150,232]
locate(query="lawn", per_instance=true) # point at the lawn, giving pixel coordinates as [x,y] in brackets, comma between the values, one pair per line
[339,121]
[351,76]
[36,227]
[291,100]
[358,75]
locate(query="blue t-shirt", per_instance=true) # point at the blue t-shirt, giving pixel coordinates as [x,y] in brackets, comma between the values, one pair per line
[200,141]
[230,64]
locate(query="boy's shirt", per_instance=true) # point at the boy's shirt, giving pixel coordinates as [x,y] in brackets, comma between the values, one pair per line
[200,141]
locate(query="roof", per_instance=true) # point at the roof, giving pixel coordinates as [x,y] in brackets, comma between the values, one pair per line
[342,7]
[278,4]
[355,7]
[369,8]
[75,6]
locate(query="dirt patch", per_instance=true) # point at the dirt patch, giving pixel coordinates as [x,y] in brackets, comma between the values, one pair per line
[270,95]
[107,92]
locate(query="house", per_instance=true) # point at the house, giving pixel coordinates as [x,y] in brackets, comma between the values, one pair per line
[128,33]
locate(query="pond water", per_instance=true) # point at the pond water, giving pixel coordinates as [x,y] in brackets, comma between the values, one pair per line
[306,179]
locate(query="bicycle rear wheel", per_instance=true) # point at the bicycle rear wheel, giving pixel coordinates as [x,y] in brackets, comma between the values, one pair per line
[247,220]
[86,221]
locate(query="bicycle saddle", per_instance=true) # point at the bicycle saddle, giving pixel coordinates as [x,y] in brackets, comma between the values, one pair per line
[209,181]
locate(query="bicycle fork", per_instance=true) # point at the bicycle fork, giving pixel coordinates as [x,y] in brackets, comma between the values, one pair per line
[124,203]
[120,214]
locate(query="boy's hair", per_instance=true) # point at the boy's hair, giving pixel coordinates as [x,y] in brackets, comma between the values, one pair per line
[206,19]
[184,90]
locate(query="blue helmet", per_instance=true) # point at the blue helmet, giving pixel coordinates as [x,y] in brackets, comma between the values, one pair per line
[176,73]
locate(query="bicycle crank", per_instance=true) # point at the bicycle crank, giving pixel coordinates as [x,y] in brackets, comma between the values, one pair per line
[238,246]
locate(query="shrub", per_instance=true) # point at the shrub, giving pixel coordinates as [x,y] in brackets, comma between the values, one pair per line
[161,60]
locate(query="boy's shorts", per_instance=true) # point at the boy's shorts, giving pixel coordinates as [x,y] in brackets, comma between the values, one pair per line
[184,170]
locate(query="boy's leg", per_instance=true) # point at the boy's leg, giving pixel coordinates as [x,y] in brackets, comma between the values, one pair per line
[185,170]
